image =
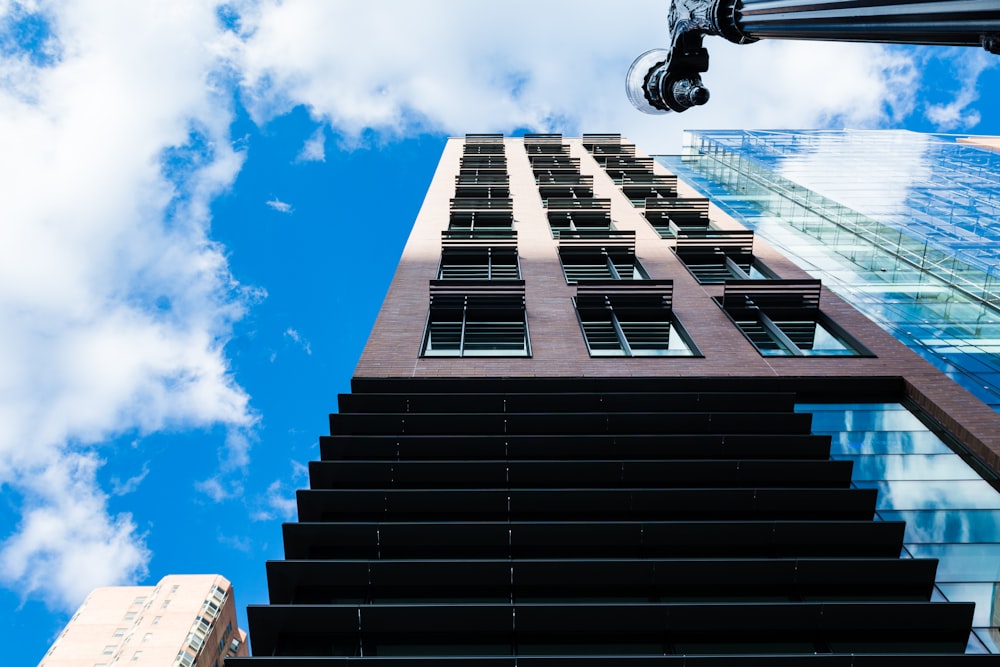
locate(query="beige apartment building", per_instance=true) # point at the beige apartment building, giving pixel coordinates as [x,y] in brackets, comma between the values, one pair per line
[184,621]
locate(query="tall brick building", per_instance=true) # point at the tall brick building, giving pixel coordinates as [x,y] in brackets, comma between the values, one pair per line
[598,423]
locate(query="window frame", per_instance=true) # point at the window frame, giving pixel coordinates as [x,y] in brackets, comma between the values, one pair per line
[479,297]
[774,303]
[488,254]
[610,254]
[725,250]
[650,303]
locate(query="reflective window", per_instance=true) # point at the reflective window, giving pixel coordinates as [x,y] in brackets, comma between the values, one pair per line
[783,318]
[622,324]
[951,514]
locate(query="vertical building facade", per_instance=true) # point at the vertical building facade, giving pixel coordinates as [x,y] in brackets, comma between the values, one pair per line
[598,422]
[182,621]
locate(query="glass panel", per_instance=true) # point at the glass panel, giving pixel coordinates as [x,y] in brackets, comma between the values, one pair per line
[909,466]
[866,420]
[934,494]
[962,562]
[654,339]
[601,337]
[928,526]
[985,595]
[444,338]
[990,637]
[885,442]
[762,339]
[813,339]
[494,338]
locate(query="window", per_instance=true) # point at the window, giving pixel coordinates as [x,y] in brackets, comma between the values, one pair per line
[635,322]
[109,649]
[136,656]
[600,264]
[466,321]
[156,620]
[129,615]
[640,187]
[782,318]
[480,224]
[166,603]
[671,217]
[119,632]
[568,223]
[489,263]
[174,588]
[139,601]
[715,256]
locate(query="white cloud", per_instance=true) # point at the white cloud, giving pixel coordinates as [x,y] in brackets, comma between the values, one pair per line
[425,66]
[277,503]
[219,489]
[122,488]
[116,305]
[67,543]
[299,340]
[236,542]
[279,206]
[314,149]
[968,65]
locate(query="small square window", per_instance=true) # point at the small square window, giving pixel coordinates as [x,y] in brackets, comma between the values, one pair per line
[166,603]
[476,323]
[156,620]
[140,600]
[782,318]
[119,632]
[129,615]
[109,649]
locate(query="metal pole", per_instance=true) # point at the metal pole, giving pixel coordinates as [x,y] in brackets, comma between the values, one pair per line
[665,80]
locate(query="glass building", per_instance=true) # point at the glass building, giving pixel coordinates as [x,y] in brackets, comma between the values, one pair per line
[901,225]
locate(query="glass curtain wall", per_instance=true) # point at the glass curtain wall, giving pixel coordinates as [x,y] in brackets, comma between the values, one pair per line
[902,225]
[951,513]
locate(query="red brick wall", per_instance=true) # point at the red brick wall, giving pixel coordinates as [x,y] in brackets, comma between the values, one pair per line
[557,344]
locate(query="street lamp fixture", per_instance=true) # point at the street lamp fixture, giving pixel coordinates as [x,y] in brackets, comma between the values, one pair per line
[663,80]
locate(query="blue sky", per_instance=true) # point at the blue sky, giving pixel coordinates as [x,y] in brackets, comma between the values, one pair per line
[202,206]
